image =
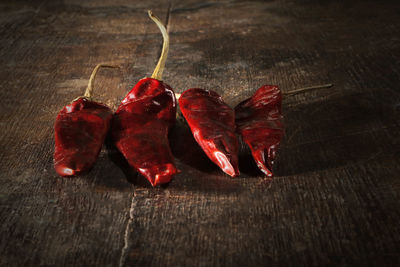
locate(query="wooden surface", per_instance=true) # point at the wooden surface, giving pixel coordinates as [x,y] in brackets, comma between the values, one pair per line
[334,200]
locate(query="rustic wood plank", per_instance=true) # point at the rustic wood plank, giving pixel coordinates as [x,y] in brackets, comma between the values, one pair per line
[335,199]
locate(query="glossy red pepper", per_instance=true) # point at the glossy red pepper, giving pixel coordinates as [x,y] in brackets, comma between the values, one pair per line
[259,122]
[141,123]
[80,130]
[213,126]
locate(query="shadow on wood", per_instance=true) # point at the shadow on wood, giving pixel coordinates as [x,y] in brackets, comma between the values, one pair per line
[185,148]
[118,159]
[247,165]
[332,132]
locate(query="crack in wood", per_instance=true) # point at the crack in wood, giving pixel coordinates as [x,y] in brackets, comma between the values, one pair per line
[125,249]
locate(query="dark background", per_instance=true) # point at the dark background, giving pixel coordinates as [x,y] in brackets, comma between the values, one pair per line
[334,199]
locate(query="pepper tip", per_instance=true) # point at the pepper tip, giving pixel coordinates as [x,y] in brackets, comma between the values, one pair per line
[65,171]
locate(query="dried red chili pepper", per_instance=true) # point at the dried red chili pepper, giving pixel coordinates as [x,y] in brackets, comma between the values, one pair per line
[141,123]
[80,130]
[259,122]
[213,126]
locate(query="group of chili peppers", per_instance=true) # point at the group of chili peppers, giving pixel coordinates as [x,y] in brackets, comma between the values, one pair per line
[139,128]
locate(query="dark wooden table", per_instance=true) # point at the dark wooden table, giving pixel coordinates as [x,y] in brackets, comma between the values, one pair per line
[335,197]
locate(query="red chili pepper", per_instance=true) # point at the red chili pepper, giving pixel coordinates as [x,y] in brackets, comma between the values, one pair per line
[141,123]
[259,122]
[80,130]
[213,126]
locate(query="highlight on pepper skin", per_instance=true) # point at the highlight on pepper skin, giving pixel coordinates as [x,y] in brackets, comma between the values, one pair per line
[65,171]
[160,174]
[227,166]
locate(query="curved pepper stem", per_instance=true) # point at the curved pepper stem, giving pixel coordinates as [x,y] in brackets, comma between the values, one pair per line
[89,89]
[158,71]
[300,90]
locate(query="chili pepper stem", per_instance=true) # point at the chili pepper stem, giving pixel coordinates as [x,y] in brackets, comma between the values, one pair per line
[158,71]
[300,90]
[89,89]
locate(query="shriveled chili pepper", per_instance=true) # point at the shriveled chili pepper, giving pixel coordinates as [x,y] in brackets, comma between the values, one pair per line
[212,123]
[80,130]
[259,122]
[141,123]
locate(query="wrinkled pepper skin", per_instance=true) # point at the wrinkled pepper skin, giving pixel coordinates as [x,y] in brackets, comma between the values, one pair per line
[212,123]
[140,129]
[259,122]
[80,130]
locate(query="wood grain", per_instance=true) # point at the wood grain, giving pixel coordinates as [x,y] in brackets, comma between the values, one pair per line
[334,200]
